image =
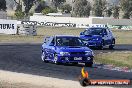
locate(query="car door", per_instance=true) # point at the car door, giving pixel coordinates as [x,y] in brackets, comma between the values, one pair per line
[45,46]
[109,36]
[105,36]
[51,48]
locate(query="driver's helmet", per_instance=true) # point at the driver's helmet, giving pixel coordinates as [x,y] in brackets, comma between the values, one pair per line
[59,41]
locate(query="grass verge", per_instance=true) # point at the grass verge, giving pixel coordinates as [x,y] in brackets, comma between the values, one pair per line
[122,37]
[121,59]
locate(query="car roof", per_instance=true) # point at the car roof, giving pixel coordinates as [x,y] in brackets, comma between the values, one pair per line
[97,27]
[65,36]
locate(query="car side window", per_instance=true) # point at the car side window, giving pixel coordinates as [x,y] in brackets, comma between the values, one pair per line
[105,32]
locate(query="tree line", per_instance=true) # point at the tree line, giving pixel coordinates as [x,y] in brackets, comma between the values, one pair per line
[78,8]
[101,8]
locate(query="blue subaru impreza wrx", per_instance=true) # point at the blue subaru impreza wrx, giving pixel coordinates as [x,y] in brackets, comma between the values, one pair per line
[98,37]
[66,49]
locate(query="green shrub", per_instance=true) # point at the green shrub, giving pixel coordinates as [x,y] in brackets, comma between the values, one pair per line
[48,10]
[66,8]
[19,14]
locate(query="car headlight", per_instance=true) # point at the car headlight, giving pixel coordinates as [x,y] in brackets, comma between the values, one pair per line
[92,53]
[89,53]
[64,53]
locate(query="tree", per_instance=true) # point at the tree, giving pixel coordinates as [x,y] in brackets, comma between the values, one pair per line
[99,7]
[18,12]
[131,14]
[82,8]
[109,12]
[40,7]
[126,6]
[28,5]
[57,3]
[66,8]
[116,10]
[3,5]
[48,10]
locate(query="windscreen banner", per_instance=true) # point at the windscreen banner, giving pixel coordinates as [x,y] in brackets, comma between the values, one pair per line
[8,26]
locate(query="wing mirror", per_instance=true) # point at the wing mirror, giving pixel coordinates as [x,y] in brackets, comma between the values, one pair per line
[81,33]
[51,44]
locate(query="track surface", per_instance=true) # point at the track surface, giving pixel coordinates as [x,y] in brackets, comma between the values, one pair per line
[25,58]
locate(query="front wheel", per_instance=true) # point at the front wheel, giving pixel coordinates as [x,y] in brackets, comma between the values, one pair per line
[56,59]
[43,57]
[75,63]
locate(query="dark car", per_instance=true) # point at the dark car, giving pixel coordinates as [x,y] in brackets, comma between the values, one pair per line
[98,37]
[66,49]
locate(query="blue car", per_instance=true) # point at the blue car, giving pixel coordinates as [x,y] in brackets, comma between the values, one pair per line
[98,37]
[66,49]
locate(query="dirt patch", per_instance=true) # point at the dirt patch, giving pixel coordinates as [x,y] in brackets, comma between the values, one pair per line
[20,80]
[5,84]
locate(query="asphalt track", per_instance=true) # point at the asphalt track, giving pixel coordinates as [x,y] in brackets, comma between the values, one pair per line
[25,58]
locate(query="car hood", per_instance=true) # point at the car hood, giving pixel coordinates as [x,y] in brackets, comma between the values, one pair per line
[89,37]
[73,49]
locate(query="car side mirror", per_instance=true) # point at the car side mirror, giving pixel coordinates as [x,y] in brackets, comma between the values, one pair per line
[85,44]
[44,42]
[51,44]
[81,33]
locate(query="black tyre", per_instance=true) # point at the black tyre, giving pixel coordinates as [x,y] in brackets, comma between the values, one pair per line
[102,45]
[75,63]
[88,64]
[56,60]
[43,57]
[112,45]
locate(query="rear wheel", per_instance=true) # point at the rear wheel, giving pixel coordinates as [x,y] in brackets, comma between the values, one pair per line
[112,45]
[102,45]
[43,57]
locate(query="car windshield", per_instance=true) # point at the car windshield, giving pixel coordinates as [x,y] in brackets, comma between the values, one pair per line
[69,41]
[93,31]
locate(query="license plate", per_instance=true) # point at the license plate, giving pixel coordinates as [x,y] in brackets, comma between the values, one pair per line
[77,58]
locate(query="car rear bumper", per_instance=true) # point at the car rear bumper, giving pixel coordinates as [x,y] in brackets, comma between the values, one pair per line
[94,43]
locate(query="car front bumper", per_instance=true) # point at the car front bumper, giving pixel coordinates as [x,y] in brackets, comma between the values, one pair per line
[71,59]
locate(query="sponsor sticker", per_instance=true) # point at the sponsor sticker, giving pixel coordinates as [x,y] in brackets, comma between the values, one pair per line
[77,58]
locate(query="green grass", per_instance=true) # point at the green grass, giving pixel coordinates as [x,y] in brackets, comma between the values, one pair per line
[122,37]
[41,32]
[58,31]
[115,58]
